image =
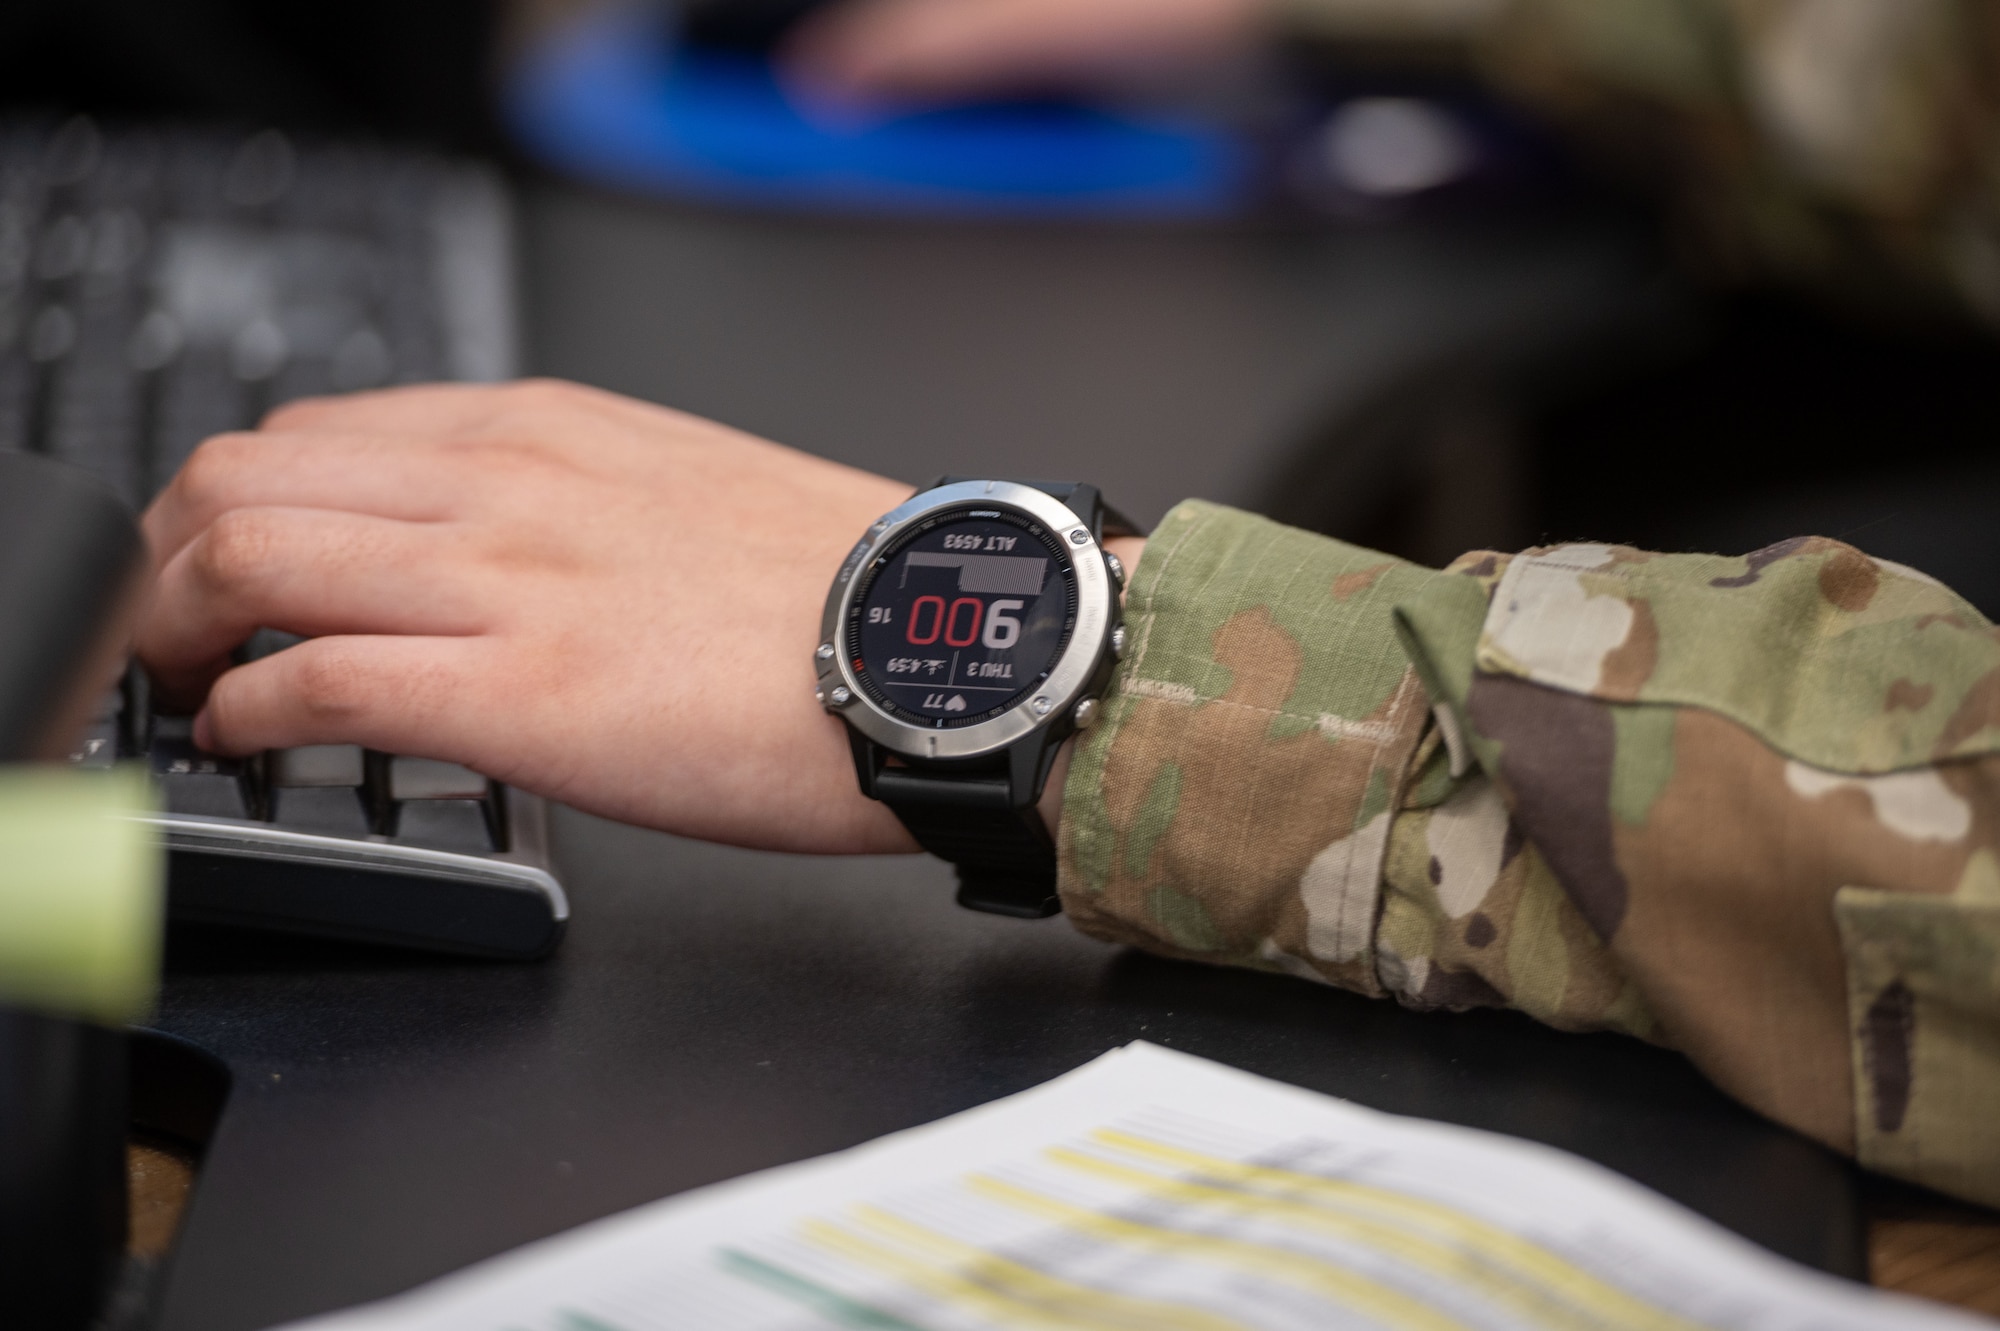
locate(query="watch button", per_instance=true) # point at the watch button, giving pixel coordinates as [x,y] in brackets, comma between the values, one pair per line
[1116,568]
[1118,641]
[1085,713]
[824,652]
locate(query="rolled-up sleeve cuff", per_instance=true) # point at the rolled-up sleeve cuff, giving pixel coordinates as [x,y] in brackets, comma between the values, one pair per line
[1234,804]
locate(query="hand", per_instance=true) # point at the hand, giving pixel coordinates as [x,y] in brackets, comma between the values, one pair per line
[608,603]
[866,51]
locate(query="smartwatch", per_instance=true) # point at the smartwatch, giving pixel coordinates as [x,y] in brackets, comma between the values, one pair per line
[971,631]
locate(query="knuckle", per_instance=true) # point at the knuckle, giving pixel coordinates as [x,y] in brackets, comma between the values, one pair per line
[331,685]
[515,450]
[236,550]
[534,420]
[209,473]
[504,459]
[546,406]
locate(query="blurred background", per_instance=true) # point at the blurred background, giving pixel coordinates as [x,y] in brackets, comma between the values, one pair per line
[1430,276]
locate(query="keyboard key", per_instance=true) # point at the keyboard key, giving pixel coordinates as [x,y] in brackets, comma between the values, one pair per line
[201,783]
[155,341]
[463,825]
[318,788]
[198,397]
[326,810]
[137,712]
[65,245]
[442,805]
[317,765]
[17,388]
[52,334]
[95,407]
[428,779]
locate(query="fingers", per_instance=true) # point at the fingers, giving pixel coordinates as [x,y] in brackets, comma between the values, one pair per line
[918,48]
[396,453]
[305,571]
[391,477]
[933,49]
[414,695]
[869,49]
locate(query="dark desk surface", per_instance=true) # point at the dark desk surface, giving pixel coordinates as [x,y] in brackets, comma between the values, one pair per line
[716,1011]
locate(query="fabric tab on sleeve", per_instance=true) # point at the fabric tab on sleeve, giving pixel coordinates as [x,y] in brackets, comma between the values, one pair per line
[1923,990]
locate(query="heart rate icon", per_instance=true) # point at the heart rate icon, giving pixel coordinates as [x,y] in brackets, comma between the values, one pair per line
[955,703]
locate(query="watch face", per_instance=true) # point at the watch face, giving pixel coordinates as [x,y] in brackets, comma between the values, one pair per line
[960,618]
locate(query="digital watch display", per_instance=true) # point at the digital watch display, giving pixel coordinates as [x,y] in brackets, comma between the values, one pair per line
[961,617]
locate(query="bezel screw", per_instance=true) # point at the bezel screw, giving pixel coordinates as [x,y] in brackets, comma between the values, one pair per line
[1042,706]
[1079,537]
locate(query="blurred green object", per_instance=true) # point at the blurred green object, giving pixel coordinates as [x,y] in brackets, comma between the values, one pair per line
[81,893]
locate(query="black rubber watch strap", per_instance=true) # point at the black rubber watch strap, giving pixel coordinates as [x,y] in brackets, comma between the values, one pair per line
[1005,858]
[973,817]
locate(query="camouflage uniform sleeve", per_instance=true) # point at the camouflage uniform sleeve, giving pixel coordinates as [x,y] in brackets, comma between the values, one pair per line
[1235,801]
[1749,807]
[1266,789]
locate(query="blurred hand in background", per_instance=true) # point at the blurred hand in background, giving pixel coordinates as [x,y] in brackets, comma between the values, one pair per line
[872,51]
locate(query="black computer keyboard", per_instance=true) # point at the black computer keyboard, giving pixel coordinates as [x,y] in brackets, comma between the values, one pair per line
[160,286]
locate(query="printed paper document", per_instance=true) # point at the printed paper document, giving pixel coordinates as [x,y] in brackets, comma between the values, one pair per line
[1152,1191]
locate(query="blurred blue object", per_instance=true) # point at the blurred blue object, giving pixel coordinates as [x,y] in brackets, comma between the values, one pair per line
[612,98]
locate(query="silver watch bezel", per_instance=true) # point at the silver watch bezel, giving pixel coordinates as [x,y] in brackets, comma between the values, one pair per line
[1069,678]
